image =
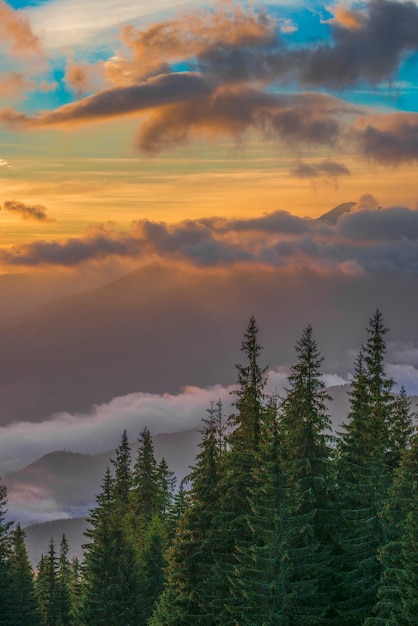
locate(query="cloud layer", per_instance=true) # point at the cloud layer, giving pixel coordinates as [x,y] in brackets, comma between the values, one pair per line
[362,238]
[227,71]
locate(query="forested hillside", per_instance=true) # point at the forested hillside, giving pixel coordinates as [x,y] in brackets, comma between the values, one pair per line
[280,521]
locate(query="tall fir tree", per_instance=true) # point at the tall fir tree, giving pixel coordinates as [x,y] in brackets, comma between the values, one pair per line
[305,455]
[64,598]
[364,478]
[25,610]
[123,475]
[166,484]
[5,552]
[261,572]
[231,532]
[47,587]
[401,428]
[397,603]
[152,566]
[111,581]
[146,497]
[187,594]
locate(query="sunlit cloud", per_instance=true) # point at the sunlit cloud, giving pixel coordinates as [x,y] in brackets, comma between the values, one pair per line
[363,237]
[346,17]
[16,31]
[231,54]
[15,85]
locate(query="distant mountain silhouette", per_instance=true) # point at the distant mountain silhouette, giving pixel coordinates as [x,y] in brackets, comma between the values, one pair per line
[38,537]
[68,482]
[155,330]
[332,217]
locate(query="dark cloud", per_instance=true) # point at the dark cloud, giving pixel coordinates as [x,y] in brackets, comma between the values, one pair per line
[71,252]
[278,221]
[369,49]
[296,119]
[237,54]
[190,240]
[328,169]
[155,92]
[396,223]
[389,139]
[371,52]
[35,212]
[365,239]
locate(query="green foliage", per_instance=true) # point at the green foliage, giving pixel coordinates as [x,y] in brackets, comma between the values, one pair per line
[231,532]
[123,475]
[364,478]
[111,583]
[47,588]
[145,479]
[188,590]
[277,526]
[5,553]
[305,455]
[24,603]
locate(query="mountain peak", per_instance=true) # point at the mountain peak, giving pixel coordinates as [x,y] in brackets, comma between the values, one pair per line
[332,217]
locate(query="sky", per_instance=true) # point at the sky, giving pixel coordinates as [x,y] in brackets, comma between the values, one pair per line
[211,139]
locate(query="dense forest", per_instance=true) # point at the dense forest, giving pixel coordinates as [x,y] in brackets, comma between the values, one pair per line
[280,522]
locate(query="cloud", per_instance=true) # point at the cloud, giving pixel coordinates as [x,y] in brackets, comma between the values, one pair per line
[35,212]
[155,92]
[16,30]
[82,77]
[101,429]
[4,163]
[233,61]
[329,170]
[188,36]
[277,221]
[366,201]
[79,23]
[15,84]
[98,243]
[295,120]
[346,17]
[390,139]
[367,239]
[369,224]
[366,46]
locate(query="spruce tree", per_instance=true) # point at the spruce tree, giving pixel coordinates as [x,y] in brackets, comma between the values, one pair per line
[166,484]
[5,552]
[64,584]
[146,497]
[401,428]
[231,532]
[122,475]
[152,567]
[76,580]
[188,589]
[261,571]
[47,587]
[363,479]
[305,455]
[397,595]
[111,584]
[24,605]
